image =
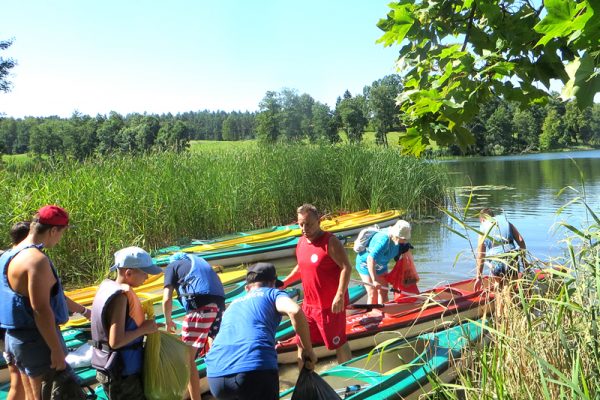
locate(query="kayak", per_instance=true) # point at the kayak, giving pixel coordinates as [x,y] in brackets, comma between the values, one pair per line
[431,310]
[75,338]
[77,334]
[402,369]
[344,225]
[150,291]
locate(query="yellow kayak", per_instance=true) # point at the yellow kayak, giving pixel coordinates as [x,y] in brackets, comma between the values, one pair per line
[151,291]
[345,224]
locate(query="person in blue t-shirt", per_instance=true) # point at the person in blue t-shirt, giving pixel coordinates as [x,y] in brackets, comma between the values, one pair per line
[242,362]
[372,264]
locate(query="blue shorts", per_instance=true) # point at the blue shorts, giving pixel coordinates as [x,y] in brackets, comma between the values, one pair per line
[261,384]
[379,269]
[29,351]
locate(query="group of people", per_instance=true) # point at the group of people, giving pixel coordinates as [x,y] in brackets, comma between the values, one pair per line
[238,343]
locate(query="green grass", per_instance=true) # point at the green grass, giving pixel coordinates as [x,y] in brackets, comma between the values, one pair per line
[162,199]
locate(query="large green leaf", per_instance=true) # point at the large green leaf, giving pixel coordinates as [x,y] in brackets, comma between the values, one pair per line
[557,22]
[584,81]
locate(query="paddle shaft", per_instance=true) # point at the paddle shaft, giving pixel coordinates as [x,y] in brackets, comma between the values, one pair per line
[408,294]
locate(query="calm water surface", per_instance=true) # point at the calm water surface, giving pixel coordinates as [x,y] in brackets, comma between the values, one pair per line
[526,187]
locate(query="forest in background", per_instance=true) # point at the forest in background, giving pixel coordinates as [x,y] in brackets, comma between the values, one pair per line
[500,127]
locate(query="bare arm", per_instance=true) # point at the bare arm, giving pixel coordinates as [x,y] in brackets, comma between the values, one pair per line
[40,282]
[336,251]
[167,306]
[78,308]
[285,305]
[117,335]
[293,276]
[518,238]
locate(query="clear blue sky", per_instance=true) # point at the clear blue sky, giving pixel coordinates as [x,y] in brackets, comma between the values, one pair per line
[175,56]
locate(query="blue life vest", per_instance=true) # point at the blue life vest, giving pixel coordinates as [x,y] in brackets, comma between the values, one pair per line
[131,355]
[499,238]
[201,280]
[15,309]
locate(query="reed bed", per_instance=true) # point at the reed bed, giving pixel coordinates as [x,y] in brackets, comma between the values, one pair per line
[546,343]
[157,200]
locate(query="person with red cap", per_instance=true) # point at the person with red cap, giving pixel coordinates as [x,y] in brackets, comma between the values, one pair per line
[34,307]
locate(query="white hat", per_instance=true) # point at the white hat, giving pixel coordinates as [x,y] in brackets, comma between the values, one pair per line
[135,257]
[401,229]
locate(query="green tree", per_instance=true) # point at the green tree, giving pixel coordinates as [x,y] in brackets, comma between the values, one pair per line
[6,64]
[527,130]
[268,120]
[385,113]
[499,130]
[457,55]
[108,132]
[324,126]
[552,131]
[46,138]
[354,117]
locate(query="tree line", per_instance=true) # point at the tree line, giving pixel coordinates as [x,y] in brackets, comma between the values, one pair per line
[500,126]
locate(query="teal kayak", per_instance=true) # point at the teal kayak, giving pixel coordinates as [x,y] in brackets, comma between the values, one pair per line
[401,369]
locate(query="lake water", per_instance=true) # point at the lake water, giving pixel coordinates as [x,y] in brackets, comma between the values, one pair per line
[525,187]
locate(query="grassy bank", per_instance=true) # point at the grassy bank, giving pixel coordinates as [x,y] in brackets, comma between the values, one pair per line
[158,200]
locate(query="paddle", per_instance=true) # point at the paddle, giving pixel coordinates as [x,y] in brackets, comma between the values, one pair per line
[408,294]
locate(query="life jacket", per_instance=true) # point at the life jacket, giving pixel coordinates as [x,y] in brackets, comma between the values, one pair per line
[499,238]
[15,309]
[201,280]
[128,359]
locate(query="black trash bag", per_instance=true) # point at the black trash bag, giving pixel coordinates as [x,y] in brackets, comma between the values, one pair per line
[310,386]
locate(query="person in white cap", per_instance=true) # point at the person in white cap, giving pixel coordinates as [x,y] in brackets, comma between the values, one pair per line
[372,264]
[119,325]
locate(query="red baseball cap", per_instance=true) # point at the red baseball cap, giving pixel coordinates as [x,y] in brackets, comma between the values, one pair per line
[53,215]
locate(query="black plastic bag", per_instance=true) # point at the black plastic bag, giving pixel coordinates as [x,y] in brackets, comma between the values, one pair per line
[310,386]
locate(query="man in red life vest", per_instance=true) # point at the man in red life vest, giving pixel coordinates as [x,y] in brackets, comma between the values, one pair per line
[325,271]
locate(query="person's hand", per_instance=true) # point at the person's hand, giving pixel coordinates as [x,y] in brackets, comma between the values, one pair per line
[338,305]
[57,360]
[309,360]
[171,326]
[87,313]
[149,326]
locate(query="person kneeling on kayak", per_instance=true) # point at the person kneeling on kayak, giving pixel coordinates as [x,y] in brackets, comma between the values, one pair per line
[242,362]
[201,293]
[119,326]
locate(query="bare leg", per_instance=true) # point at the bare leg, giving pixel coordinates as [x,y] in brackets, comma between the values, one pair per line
[194,385]
[17,391]
[33,386]
[343,353]
[371,295]
[382,294]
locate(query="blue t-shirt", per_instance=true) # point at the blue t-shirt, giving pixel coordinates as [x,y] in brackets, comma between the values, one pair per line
[382,249]
[246,340]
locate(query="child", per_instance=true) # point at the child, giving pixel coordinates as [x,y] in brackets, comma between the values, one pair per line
[119,326]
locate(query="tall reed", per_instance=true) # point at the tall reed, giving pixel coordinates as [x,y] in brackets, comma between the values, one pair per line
[162,199]
[546,343]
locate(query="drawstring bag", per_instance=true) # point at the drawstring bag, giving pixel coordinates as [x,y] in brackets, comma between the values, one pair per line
[166,367]
[310,386]
[404,276]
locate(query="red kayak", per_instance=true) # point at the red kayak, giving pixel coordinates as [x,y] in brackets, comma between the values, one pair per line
[406,317]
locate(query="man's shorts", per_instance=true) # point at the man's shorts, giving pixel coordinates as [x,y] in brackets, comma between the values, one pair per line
[29,351]
[197,325]
[326,327]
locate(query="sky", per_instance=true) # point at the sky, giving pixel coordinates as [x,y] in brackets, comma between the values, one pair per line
[184,55]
